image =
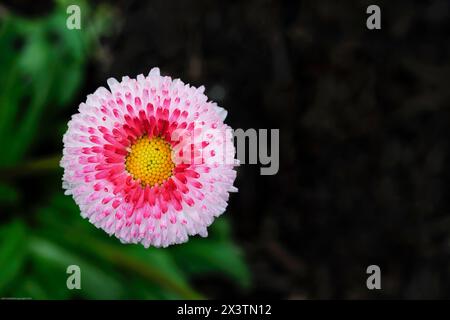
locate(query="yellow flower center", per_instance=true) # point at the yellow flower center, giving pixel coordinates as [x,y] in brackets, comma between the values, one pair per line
[150,161]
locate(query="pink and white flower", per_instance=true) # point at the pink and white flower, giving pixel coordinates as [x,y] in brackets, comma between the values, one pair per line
[150,160]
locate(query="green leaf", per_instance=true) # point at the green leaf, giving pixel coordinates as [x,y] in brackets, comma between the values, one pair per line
[31,287]
[165,271]
[43,75]
[206,256]
[12,252]
[155,267]
[159,259]
[95,283]
[215,254]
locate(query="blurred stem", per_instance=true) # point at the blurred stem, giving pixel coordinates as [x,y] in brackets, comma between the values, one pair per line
[126,261]
[32,167]
[146,271]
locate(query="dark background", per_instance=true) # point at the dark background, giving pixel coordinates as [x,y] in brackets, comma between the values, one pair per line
[364,124]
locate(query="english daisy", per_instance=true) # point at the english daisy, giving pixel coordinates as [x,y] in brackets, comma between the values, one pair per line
[150,160]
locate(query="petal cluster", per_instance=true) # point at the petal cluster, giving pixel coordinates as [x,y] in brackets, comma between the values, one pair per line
[117,168]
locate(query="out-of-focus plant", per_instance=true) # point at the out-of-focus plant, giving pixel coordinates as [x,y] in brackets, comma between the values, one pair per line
[43,65]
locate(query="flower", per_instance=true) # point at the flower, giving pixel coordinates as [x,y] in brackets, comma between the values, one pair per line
[150,160]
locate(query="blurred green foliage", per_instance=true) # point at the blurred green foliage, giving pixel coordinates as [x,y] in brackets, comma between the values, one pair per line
[43,65]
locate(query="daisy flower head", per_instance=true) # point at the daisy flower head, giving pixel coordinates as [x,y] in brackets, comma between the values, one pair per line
[150,160]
